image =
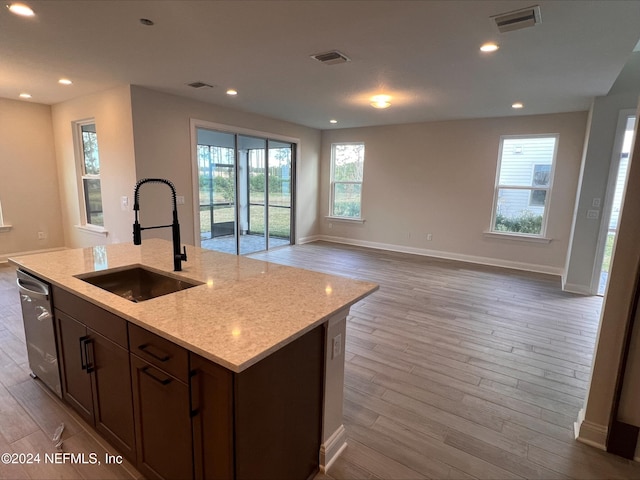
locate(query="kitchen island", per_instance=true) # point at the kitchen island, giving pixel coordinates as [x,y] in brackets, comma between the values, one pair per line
[253,340]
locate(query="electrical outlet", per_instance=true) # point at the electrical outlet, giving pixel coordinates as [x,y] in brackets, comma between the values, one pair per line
[42,235]
[124,203]
[180,200]
[330,225]
[337,346]
[429,237]
[596,203]
[593,214]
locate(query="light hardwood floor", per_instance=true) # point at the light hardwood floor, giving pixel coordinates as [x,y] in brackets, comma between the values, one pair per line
[456,370]
[452,371]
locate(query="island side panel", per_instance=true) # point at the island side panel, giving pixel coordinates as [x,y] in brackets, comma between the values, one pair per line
[278,412]
[334,438]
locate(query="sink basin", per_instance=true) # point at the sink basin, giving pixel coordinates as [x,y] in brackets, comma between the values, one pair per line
[137,283]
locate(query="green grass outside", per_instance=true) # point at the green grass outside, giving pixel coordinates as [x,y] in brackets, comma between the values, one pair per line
[279,219]
[608,250]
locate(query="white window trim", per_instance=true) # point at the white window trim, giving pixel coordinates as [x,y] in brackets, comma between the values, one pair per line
[80,174]
[3,227]
[93,229]
[332,187]
[545,217]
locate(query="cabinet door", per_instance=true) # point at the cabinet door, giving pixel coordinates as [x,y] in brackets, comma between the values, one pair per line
[212,405]
[112,396]
[163,423]
[76,379]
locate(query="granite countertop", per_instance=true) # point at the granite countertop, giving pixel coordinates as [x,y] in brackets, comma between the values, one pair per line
[244,310]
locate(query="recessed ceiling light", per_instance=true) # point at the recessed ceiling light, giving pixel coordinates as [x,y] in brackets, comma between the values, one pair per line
[333,120]
[65,81]
[380,101]
[489,47]
[21,9]
[232,92]
[25,95]
[517,105]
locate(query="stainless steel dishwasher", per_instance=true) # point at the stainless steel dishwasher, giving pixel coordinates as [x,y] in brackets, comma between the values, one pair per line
[39,330]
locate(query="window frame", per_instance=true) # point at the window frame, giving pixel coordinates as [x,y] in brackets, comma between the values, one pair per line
[548,189]
[333,183]
[82,175]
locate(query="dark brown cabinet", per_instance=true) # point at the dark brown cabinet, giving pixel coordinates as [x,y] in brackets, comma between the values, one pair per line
[177,415]
[212,406]
[95,372]
[161,406]
[262,423]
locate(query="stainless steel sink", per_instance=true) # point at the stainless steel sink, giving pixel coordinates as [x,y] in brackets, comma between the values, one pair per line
[137,283]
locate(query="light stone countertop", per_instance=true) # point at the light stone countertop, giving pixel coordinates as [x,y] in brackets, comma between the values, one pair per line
[244,310]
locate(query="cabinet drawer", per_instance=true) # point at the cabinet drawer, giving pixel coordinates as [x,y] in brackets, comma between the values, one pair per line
[159,352]
[105,323]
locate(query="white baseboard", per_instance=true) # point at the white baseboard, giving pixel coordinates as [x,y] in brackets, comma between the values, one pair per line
[495,262]
[331,449]
[576,288]
[4,257]
[309,239]
[590,433]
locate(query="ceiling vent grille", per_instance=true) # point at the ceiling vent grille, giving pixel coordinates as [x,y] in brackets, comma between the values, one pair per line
[333,57]
[199,85]
[518,19]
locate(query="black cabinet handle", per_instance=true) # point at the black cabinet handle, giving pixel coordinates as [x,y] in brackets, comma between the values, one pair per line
[161,356]
[165,381]
[90,366]
[83,352]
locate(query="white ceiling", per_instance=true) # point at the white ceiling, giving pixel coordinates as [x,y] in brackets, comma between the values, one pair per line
[423,53]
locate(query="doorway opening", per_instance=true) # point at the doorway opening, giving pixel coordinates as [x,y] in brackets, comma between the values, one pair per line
[245,191]
[615,192]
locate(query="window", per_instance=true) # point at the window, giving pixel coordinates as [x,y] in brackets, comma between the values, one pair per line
[90,174]
[347,165]
[523,183]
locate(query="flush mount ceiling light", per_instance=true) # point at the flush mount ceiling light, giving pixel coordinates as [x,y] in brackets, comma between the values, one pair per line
[65,81]
[333,120]
[25,95]
[146,22]
[21,9]
[517,105]
[232,92]
[489,47]
[380,101]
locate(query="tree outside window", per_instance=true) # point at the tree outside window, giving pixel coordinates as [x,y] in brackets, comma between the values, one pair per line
[90,174]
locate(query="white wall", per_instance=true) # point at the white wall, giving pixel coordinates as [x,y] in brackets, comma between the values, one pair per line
[438,178]
[581,258]
[161,127]
[28,181]
[617,310]
[112,113]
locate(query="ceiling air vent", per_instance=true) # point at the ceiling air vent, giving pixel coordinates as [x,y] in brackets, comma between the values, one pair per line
[199,85]
[331,58]
[518,19]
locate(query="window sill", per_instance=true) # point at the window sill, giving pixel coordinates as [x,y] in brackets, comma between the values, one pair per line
[100,231]
[345,219]
[5,228]
[518,237]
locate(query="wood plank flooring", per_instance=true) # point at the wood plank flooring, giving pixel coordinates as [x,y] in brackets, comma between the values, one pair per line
[452,371]
[456,370]
[30,413]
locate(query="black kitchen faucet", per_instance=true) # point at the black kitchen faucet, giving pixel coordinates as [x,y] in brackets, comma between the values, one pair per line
[178,257]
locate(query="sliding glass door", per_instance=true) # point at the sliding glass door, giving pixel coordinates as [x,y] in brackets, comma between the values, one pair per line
[245,192]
